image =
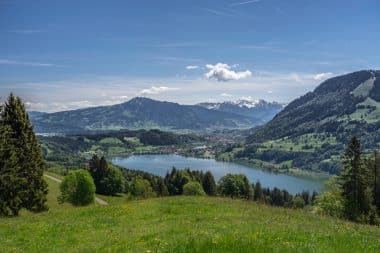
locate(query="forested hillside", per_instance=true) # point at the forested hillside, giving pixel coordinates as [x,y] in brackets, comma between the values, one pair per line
[311,131]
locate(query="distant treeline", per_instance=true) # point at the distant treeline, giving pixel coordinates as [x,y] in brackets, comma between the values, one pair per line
[139,184]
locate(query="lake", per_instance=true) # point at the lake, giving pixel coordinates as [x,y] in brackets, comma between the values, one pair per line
[160,164]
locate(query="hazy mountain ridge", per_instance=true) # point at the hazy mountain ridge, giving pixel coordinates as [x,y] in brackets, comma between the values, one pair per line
[260,110]
[140,113]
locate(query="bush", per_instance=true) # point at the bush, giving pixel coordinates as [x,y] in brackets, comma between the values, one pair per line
[193,188]
[142,188]
[77,188]
[330,202]
[298,202]
[234,185]
[113,182]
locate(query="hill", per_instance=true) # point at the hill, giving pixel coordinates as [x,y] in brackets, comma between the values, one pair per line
[181,224]
[260,110]
[139,113]
[312,130]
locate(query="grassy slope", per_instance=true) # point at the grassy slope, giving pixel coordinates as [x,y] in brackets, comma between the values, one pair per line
[182,224]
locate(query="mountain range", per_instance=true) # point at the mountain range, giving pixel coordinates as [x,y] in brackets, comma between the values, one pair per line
[146,113]
[261,111]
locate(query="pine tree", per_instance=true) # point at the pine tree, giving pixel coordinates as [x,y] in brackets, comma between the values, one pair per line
[258,194]
[208,184]
[376,178]
[21,164]
[354,182]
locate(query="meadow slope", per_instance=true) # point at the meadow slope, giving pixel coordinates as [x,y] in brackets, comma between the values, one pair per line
[181,224]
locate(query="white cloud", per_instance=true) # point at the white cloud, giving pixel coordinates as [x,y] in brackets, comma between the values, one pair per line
[156,90]
[192,67]
[226,95]
[323,76]
[246,2]
[27,31]
[222,72]
[33,64]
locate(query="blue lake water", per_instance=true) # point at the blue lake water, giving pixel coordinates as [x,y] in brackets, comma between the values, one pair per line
[160,164]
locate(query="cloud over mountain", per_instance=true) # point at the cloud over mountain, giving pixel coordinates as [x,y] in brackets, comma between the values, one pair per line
[157,90]
[223,72]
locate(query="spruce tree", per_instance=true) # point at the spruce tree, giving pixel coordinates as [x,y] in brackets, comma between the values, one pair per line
[354,183]
[21,164]
[208,184]
[376,178]
[258,194]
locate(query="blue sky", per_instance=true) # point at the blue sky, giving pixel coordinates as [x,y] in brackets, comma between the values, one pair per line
[61,55]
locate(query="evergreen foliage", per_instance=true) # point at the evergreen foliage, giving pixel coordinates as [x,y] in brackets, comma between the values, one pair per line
[21,164]
[209,184]
[354,180]
[108,180]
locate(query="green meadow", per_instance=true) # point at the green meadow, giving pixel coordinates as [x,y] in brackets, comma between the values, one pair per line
[181,224]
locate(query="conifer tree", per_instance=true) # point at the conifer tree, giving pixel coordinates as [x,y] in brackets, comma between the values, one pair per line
[21,164]
[354,182]
[258,192]
[376,178]
[208,184]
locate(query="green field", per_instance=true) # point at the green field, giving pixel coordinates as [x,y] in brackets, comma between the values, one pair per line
[181,224]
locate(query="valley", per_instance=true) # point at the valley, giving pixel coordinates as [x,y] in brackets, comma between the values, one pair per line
[169,126]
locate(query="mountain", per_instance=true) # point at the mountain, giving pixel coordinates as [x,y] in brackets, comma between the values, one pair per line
[311,131]
[260,110]
[35,114]
[344,105]
[139,113]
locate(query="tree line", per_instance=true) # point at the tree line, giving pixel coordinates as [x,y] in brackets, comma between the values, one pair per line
[355,193]
[140,184]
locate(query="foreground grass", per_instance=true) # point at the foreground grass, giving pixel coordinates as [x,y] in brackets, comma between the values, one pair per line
[181,224]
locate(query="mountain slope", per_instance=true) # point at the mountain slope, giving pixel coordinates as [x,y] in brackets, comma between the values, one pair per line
[344,105]
[140,113]
[261,110]
[311,132]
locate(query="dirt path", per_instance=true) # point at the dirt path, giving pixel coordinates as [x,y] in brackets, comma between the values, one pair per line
[98,200]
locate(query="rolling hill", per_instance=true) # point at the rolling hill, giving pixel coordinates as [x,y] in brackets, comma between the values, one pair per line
[140,113]
[310,132]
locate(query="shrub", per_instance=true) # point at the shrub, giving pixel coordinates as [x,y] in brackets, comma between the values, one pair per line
[113,182]
[298,202]
[234,185]
[330,202]
[193,188]
[78,188]
[142,188]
